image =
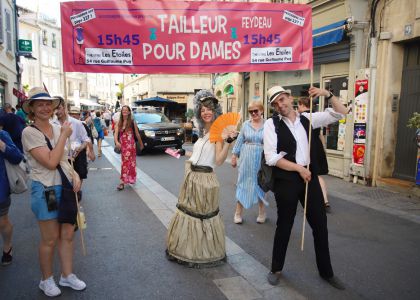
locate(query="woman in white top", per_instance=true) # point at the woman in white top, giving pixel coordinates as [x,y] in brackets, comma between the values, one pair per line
[196,234]
[46,188]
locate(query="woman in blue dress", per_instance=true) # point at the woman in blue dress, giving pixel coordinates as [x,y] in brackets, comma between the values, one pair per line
[248,149]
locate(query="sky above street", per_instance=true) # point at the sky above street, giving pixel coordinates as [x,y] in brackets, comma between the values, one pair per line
[48,7]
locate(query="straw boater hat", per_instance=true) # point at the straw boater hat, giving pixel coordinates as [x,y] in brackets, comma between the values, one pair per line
[74,110]
[39,93]
[273,92]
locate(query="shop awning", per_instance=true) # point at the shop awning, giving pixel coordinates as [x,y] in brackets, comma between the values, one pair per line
[329,34]
[88,102]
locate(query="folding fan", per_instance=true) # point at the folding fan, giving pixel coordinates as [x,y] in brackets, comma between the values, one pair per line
[224,124]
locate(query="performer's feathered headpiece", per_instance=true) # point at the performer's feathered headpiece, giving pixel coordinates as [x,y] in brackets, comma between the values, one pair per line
[207,99]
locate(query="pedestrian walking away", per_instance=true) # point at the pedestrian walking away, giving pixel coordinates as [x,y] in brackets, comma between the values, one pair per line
[9,152]
[196,234]
[99,125]
[286,148]
[107,118]
[248,150]
[44,145]
[13,124]
[126,136]
[304,106]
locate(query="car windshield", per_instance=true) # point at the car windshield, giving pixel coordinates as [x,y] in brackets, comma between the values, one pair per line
[150,117]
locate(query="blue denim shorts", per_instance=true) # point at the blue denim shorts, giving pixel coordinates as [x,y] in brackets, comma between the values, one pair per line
[39,203]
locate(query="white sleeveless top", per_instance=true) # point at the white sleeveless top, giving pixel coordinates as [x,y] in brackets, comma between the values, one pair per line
[204,152]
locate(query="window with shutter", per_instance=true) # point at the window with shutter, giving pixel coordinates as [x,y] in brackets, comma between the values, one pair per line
[9,31]
[1,22]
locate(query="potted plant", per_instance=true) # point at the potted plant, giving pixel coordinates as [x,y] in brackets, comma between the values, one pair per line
[414,122]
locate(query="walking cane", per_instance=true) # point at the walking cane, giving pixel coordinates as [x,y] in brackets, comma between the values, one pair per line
[79,221]
[307,167]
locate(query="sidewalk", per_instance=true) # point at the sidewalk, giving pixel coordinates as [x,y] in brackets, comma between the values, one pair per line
[394,203]
[398,204]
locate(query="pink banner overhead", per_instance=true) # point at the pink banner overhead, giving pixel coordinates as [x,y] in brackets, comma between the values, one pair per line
[185,37]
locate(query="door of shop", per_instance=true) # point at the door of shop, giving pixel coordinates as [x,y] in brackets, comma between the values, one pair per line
[406,149]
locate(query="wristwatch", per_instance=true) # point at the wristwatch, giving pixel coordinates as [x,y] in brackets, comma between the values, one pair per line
[330,96]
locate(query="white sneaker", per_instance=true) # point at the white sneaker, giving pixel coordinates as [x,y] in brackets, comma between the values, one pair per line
[261,219]
[73,282]
[49,287]
[237,219]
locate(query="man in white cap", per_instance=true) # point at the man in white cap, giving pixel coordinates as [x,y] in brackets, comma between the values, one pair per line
[286,148]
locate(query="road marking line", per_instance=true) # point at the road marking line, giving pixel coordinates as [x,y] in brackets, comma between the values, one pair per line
[163,204]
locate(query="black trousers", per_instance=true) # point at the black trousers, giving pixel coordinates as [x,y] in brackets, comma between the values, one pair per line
[288,193]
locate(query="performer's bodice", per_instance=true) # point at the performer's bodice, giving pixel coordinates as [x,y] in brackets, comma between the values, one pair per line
[204,152]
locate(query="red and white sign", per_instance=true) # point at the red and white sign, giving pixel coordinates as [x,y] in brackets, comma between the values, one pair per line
[20,95]
[185,37]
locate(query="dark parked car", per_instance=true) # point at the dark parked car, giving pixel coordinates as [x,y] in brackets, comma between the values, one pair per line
[194,135]
[157,131]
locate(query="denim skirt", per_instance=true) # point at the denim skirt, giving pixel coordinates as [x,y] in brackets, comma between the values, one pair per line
[39,203]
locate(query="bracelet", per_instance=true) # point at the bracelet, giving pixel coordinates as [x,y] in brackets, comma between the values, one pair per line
[330,96]
[229,140]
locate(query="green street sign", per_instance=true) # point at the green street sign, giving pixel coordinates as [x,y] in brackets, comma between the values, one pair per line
[25,45]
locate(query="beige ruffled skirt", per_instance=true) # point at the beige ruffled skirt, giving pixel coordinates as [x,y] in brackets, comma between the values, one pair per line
[196,234]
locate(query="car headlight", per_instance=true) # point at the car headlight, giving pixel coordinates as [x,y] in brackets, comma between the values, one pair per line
[180,131]
[149,133]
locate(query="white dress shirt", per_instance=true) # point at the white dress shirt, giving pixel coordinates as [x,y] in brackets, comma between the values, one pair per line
[78,135]
[299,133]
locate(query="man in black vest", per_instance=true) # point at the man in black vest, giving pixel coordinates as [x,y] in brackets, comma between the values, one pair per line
[286,148]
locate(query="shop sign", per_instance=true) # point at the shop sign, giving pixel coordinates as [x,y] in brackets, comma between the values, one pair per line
[20,95]
[177,98]
[25,45]
[361,101]
[358,154]
[359,135]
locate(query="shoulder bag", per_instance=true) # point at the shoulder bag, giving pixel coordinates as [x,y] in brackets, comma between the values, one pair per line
[17,176]
[265,176]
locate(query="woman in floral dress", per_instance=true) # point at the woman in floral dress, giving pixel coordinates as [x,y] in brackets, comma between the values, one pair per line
[126,135]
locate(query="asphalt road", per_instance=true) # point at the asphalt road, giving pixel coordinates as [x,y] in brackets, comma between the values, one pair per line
[377,255]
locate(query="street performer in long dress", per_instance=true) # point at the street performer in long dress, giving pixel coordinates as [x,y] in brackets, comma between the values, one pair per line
[196,234]
[286,149]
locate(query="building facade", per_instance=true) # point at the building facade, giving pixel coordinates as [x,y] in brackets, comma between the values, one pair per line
[8,63]
[396,65]
[30,30]
[45,66]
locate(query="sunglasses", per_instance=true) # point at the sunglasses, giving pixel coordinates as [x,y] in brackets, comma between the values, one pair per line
[253,111]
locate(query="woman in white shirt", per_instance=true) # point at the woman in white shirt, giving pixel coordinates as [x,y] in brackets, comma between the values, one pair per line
[196,234]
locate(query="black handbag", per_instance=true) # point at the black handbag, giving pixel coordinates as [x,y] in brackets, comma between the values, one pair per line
[265,176]
[117,150]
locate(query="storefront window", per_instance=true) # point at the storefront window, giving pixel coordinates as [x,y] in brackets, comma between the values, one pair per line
[335,133]
[302,91]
